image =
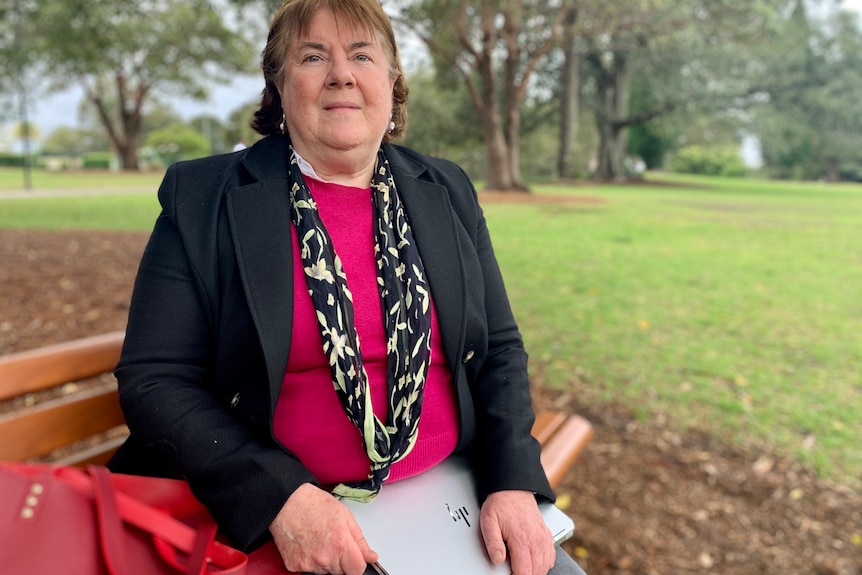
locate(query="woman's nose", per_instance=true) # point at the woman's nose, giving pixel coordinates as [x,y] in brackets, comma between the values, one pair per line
[340,73]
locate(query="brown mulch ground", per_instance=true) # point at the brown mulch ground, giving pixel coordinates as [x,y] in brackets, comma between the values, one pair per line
[645,501]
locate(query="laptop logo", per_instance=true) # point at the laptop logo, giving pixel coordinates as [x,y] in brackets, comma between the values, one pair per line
[459,514]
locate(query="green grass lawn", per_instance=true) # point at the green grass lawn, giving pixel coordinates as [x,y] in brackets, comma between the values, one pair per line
[732,306]
[135,208]
[109,212]
[13,179]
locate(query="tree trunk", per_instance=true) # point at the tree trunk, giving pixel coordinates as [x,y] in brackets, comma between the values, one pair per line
[611,160]
[499,175]
[128,155]
[499,170]
[513,145]
[833,174]
[614,98]
[570,102]
[512,95]
[124,126]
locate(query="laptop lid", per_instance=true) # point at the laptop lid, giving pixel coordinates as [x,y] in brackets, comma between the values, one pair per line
[429,524]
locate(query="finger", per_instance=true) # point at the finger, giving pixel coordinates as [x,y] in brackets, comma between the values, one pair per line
[368,554]
[522,560]
[353,564]
[493,538]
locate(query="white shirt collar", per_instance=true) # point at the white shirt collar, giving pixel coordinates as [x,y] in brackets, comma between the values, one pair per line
[306,168]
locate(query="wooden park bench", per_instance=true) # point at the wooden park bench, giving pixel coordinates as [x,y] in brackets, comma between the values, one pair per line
[80,421]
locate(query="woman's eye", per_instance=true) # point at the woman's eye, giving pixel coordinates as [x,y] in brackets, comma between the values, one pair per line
[312,58]
[363,57]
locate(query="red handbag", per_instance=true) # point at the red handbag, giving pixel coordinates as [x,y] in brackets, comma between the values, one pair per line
[60,520]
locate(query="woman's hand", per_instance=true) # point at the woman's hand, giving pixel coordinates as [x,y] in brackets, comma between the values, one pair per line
[315,533]
[513,519]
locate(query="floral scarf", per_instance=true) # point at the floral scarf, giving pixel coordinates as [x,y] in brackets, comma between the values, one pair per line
[406,304]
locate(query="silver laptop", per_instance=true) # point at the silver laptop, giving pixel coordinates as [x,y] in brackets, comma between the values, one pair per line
[429,524]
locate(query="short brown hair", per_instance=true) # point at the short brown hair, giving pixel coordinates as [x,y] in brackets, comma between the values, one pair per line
[290,21]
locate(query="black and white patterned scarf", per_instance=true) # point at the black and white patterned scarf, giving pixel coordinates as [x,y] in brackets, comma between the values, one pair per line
[406,304]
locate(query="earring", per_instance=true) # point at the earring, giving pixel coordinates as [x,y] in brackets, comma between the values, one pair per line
[281,125]
[391,126]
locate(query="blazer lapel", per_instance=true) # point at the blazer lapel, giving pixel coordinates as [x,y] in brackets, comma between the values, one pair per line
[259,216]
[432,220]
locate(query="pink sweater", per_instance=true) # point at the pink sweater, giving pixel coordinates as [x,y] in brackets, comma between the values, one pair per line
[309,419]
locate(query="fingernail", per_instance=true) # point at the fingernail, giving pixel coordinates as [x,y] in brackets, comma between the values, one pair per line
[497,558]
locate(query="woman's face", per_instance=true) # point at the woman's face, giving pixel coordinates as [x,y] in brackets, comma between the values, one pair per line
[337,89]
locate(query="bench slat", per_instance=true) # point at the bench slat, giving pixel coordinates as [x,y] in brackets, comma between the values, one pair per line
[547,424]
[36,432]
[560,451]
[53,365]
[96,455]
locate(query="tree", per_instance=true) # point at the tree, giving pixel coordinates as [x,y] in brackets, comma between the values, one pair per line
[66,141]
[178,142]
[494,46]
[812,130]
[691,55]
[570,100]
[238,128]
[124,54]
[444,123]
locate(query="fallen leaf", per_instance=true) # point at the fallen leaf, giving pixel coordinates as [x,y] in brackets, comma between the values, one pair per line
[564,501]
[706,561]
[763,466]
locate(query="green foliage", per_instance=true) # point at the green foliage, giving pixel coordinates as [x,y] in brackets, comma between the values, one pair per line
[178,142]
[810,127]
[647,143]
[68,141]
[238,128]
[714,161]
[98,161]
[214,132]
[11,160]
[127,54]
[171,42]
[442,122]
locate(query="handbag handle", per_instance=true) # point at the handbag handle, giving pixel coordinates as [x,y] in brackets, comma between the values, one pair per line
[115,507]
[110,526]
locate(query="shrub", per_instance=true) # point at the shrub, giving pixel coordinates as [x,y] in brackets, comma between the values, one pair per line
[98,161]
[709,161]
[11,160]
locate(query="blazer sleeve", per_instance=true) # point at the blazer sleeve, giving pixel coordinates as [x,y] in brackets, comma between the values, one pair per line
[507,455]
[166,382]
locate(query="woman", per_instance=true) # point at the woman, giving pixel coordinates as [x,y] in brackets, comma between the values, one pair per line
[242,369]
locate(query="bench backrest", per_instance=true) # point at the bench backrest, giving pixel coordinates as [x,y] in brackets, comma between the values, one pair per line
[38,430]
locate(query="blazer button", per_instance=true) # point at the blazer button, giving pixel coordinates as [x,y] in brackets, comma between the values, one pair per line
[235,401]
[468,356]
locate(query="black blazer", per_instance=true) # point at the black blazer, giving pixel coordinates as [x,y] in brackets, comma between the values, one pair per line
[209,333]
